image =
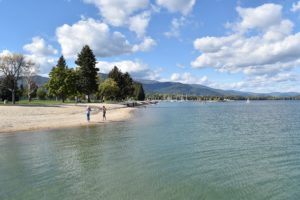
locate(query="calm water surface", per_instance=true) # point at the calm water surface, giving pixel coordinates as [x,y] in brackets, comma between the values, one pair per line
[230,151]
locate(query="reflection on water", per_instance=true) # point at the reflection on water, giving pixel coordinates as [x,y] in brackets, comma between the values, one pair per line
[168,151]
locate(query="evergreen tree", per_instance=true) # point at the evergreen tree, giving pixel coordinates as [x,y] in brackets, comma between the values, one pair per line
[127,89]
[56,84]
[88,72]
[124,81]
[138,93]
[116,75]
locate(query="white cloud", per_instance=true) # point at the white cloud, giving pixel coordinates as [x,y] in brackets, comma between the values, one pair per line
[183,6]
[43,55]
[38,47]
[137,69]
[146,45]
[176,24]
[261,17]
[188,78]
[5,52]
[123,13]
[94,33]
[271,49]
[98,36]
[282,82]
[44,64]
[295,7]
[139,23]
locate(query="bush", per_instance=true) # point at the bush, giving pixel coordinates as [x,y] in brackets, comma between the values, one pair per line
[41,93]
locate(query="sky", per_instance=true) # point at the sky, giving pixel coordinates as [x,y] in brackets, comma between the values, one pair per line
[245,45]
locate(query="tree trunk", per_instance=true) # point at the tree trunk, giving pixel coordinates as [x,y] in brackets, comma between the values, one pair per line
[89,100]
[13,98]
[29,97]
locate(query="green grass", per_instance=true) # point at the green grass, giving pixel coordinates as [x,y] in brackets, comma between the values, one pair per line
[41,102]
[37,102]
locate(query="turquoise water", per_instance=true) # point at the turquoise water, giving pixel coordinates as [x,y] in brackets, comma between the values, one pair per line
[230,151]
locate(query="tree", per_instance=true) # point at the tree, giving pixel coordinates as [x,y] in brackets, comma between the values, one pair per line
[29,73]
[88,72]
[72,83]
[124,82]
[41,93]
[138,93]
[11,68]
[116,75]
[109,89]
[5,83]
[127,88]
[56,84]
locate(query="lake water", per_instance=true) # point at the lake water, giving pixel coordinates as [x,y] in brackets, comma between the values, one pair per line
[230,151]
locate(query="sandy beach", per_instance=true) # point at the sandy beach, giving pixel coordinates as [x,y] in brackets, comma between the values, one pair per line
[26,118]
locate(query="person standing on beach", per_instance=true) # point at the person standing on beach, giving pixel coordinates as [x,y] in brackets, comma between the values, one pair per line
[104,112]
[88,112]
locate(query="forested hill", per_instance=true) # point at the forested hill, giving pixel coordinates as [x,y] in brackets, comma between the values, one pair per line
[151,87]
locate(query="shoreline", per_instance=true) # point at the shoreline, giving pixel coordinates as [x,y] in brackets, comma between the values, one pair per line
[25,118]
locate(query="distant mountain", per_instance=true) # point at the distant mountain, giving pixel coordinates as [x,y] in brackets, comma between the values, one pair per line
[103,76]
[179,88]
[201,90]
[151,87]
[39,80]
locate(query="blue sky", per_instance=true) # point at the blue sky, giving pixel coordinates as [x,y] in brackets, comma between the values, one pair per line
[247,45]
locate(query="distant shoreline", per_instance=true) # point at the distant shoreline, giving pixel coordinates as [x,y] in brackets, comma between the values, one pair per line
[17,118]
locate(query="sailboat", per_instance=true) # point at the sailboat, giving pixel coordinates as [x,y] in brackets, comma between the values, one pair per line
[248,100]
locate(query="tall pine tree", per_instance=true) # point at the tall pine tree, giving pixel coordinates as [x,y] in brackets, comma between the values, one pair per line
[56,84]
[88,72]
[138,93]
[124,81]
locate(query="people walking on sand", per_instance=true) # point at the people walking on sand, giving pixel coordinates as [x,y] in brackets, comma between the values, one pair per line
[104,112]
[88,112]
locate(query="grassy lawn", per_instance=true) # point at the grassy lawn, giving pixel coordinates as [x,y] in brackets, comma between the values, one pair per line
[41,102]
[37,102]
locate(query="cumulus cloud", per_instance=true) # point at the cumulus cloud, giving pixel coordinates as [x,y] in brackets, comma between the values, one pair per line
[282,82]
[139,23]
[136,14]
[39,47]
[44,56]
[145,45]
[43,64]
[295,7]
[176,24]
[123,13]
[182,6]
[99,37]
[94,33]
[188,78]
[136,68]
[272,48]
[261,17]
[5,52]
